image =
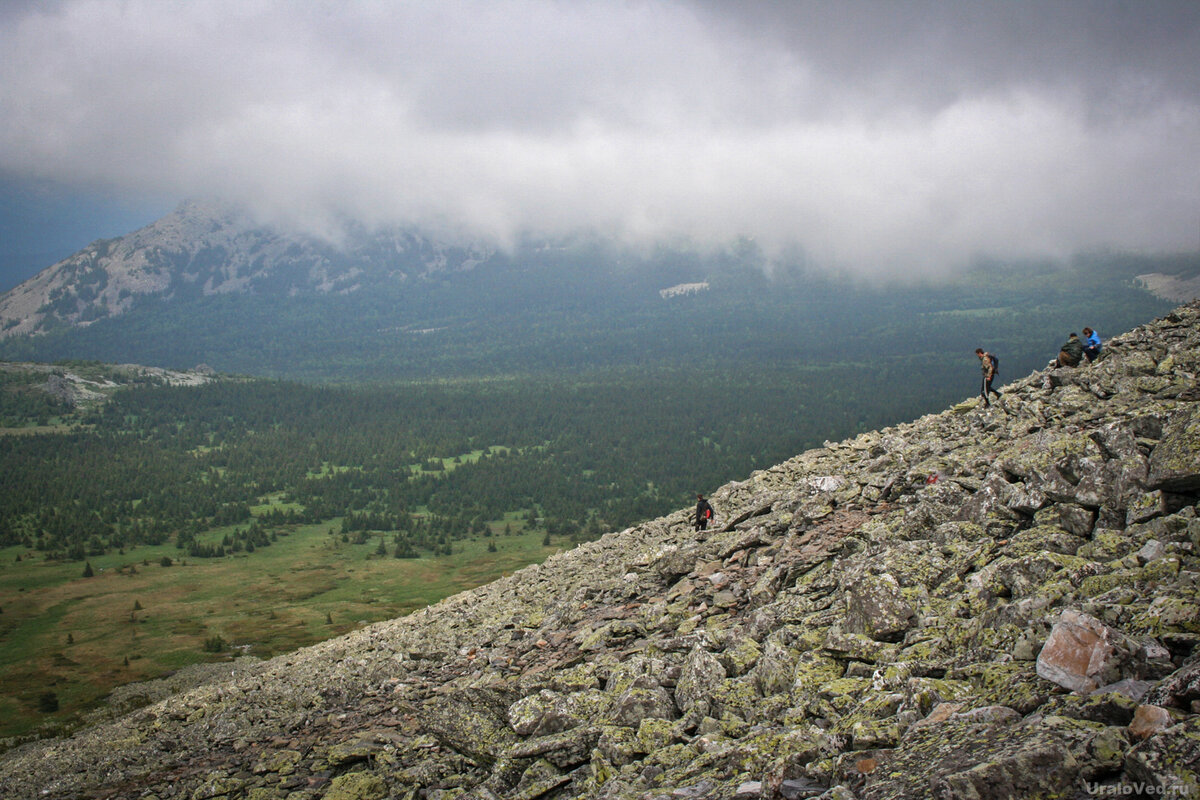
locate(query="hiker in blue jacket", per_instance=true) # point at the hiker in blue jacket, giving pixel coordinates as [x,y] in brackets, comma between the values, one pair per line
[1091,344]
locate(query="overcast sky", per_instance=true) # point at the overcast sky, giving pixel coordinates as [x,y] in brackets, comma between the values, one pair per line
[878,136]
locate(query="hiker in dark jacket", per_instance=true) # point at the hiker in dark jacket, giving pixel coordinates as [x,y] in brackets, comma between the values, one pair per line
[987,363]
[1071,353]
[1091,344]
[704,512]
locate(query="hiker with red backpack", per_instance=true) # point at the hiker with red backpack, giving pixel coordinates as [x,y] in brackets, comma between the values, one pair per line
[704,512]
[990,365]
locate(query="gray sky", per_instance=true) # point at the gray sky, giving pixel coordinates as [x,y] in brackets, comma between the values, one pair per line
[881,137]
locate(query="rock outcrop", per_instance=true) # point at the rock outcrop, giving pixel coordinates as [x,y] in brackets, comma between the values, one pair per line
[983,603]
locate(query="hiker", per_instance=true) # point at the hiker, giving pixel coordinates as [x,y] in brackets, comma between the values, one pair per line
[704,512]
[989,364]
[1071,352]
[1091,344]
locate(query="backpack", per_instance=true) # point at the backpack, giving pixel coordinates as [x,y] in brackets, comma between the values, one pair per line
[995,363]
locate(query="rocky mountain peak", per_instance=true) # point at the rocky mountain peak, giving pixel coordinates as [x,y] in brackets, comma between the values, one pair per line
[983,603]
[209,247]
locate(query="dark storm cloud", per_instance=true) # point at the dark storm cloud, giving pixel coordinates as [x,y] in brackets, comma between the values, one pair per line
[877,136]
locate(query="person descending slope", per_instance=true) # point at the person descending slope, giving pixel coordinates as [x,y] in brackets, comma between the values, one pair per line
[704,512]
[989,365]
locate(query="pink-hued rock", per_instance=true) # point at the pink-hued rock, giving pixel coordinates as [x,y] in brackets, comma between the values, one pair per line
[1149,720]
[1081,653]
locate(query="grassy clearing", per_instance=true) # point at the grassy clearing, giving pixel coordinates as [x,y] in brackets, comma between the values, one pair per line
[32,429]
[449,463]
[136,619]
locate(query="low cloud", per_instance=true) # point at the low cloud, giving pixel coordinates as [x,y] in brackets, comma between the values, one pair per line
[881,138]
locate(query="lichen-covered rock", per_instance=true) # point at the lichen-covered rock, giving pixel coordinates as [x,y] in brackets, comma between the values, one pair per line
[1179,689]
[976,759]
[702,673]
[1175,462]
[357,786]
[1169,763]
[550,712]
[471,721]
[876,607]
[644,699]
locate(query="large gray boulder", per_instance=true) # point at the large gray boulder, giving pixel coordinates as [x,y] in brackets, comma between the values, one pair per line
[1175,463]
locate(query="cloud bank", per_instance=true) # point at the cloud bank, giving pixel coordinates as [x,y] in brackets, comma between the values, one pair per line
[878,137]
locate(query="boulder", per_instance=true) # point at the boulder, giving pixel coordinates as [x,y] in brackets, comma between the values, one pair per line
[702,674]
[1146,507]
[549,712]
[564,750]
[644,699]
[974,758]
[473,722]
[1068,516]
[1168,765]
[1149,720]
[876,607]
[1083,654]
[1175,462]
[1179,689]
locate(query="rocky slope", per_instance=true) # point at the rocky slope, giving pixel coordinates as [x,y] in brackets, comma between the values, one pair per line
[983,603]
[85,385]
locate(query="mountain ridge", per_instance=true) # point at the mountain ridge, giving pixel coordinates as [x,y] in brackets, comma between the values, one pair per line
[215,248]
[984,603]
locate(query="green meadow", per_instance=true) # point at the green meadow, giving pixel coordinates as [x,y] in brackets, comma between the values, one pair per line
[136,619]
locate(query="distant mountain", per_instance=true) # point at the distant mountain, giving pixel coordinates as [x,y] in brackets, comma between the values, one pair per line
[206,284]
[213,249]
